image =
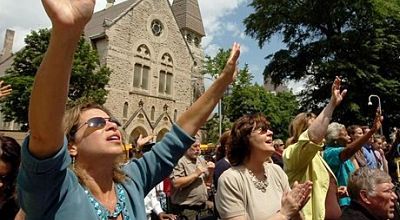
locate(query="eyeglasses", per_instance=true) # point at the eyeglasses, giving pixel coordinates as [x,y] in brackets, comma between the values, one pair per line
[96,123]
[262,129]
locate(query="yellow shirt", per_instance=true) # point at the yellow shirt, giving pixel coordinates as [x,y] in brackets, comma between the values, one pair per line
[302,161]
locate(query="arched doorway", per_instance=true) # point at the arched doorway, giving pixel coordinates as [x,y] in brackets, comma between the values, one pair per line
[135,135]
[161,134]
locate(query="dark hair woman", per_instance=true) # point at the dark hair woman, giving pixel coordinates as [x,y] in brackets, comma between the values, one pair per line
[251,182]
[10,157]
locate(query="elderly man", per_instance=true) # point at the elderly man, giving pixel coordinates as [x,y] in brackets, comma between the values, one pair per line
[190,179]
[372,196]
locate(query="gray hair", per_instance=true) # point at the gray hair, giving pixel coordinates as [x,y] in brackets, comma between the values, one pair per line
[366,179]
[332,133]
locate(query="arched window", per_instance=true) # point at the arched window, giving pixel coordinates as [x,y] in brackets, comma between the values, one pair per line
[166,75]
[125,111]
[141,69]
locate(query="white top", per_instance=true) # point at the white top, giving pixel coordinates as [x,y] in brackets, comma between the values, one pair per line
[238,196]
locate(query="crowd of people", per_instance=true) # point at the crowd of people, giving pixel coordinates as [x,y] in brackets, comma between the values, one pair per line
[74,164]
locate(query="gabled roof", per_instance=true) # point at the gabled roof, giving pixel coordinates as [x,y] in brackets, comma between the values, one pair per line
[188,16]
[106,17]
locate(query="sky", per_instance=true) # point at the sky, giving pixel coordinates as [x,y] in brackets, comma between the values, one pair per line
[222,20]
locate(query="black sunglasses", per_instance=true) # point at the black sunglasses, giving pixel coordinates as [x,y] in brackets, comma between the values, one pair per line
[97,123]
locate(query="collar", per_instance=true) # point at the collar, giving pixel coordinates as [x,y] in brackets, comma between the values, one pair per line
[357,206]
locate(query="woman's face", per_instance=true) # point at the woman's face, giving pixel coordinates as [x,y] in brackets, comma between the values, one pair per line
[261,141]
[343,137]
[101,141]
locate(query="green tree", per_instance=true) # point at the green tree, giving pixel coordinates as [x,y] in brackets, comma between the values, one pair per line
[247,98]
[356,39]
[88,79]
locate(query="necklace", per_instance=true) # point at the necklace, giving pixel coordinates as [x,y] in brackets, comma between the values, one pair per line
[259,184]
[120,207]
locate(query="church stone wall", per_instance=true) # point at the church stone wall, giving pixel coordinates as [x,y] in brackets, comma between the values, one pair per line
[124,37]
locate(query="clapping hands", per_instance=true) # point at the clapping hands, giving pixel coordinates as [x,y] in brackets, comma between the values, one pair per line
[294,201]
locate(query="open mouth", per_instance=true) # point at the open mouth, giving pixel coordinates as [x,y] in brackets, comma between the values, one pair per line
[114,137]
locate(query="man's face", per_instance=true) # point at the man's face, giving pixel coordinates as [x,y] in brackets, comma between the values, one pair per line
[382,202]
[194,151]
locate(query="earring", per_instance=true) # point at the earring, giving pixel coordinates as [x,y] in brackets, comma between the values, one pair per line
[73,162]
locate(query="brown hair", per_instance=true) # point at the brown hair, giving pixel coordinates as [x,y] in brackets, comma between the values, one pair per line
[298,125]
[224,141]
[71,120]
[352,129]
[239,148]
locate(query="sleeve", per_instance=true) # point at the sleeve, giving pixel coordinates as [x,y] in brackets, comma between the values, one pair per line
[230,201]
[158,163]
[332,157]
[178,171]
[42,182]
[299,155]
[155,204]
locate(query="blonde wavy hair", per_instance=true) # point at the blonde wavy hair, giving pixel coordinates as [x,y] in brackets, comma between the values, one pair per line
[298,125]
[71,120]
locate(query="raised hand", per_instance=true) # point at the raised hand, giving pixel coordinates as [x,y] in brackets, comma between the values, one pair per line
[67,14]
[337,95]
[4,90]
[231,68]
[143,140]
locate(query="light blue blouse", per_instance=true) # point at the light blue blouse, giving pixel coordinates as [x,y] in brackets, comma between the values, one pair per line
[48,189]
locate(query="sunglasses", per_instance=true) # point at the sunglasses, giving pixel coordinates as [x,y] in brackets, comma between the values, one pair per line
[262,128]
[96,123]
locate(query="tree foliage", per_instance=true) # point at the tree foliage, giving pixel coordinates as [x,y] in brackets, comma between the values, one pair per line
[356,39]
[247,98]
[87,83]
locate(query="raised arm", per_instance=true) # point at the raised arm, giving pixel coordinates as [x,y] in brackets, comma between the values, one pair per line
[197,114]
[50,89]
[356,145]
[317,130]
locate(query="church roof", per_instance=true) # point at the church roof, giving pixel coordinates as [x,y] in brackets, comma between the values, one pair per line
[187,15]
[106,17]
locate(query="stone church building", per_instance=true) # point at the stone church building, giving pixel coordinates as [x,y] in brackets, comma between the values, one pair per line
[154,52]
